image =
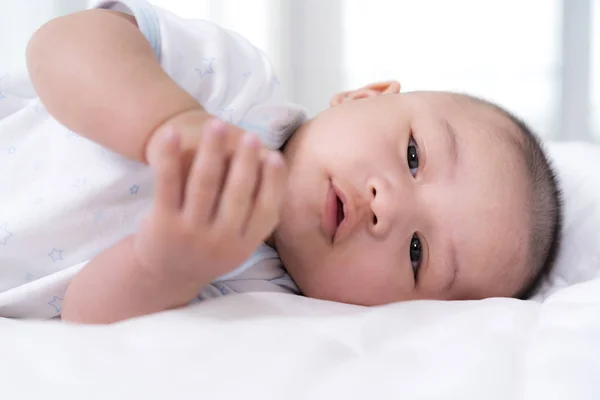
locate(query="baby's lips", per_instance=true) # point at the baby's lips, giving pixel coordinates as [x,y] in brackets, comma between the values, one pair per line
[329,213]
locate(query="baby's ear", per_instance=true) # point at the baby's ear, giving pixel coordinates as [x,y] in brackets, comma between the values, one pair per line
[374,89]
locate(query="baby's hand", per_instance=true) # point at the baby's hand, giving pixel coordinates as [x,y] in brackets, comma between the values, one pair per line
[191,125]
[206,222]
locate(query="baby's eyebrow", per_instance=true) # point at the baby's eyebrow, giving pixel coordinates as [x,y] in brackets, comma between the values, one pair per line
[453,266]
[452,143]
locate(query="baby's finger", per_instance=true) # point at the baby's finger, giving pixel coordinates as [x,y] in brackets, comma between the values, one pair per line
[240,185]
[167,168]
[267,206]
[207,173]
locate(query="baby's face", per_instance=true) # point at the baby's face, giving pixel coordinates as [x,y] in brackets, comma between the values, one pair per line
[405,196]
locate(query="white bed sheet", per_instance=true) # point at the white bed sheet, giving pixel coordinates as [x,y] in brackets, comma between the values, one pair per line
[272,346]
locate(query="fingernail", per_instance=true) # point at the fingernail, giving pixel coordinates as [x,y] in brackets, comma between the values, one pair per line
[275,159]
[172,138]
[217,126]
[250,140]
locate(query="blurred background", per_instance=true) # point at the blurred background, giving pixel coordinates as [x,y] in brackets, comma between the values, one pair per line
[538,58]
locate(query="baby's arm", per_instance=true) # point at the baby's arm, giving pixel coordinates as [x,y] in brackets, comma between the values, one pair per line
[198,229]
[97,74]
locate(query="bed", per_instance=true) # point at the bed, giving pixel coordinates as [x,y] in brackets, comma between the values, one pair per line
[274,346]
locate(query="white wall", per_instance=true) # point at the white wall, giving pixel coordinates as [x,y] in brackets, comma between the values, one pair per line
[531,56]
[505,51]
[595,91]
[19,19]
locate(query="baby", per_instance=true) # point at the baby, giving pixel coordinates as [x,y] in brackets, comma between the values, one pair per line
[384,197]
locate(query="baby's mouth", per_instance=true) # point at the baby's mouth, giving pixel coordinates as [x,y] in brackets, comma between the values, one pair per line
[343,215]
[333,214]
[340,211]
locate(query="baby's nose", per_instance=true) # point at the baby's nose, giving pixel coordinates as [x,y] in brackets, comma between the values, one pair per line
[382,208]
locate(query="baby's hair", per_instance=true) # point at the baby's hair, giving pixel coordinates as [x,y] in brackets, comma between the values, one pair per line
[546,204]
[546,209]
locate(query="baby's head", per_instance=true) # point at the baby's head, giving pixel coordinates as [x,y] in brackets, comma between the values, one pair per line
[423,195]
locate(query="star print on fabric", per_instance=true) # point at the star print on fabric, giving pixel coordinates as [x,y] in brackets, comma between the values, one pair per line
[277,81]
[134,189]
[56,255]
[226,114]
[246,74]
[79,183]
[206,67]
[5,235]
[11,150]
[56,302]
[222,289]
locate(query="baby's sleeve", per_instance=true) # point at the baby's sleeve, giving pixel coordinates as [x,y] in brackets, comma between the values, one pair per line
[231,78]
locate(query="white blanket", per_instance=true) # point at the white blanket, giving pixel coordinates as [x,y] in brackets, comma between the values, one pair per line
[274,346]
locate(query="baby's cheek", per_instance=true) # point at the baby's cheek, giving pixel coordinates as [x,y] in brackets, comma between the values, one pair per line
[366,280]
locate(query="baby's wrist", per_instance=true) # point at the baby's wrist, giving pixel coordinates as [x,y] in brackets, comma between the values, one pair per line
[189,125]
[179,123]
[169,287]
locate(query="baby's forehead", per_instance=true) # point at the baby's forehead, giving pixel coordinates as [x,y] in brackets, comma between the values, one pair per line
[478,116]
[465,104]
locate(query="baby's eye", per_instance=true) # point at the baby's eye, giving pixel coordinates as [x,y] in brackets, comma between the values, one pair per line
[415,255]
[412,156]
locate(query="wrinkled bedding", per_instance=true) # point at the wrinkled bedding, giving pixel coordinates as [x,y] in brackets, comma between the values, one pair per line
[275,346]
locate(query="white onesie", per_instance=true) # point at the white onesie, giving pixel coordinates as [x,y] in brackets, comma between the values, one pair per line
[64,199]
